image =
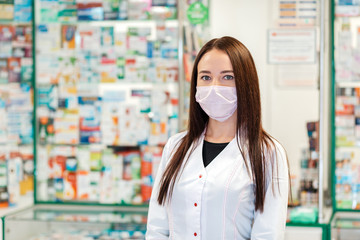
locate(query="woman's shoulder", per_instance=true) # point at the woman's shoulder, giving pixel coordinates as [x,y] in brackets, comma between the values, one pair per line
[277,154]
[175,139]
[172,144]
[277,147]
[178,136]
[271,145]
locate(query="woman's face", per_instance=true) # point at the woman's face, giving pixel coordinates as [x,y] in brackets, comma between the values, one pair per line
[215,68]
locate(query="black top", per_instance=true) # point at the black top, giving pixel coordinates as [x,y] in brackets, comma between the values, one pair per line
[211,150]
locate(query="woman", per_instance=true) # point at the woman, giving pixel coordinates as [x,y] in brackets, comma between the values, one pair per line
[225,177]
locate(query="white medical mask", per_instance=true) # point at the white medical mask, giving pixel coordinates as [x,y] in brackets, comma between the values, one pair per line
[219,102]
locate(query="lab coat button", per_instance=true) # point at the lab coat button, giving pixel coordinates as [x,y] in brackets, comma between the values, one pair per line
[200,176]
[195,234]
[195,204]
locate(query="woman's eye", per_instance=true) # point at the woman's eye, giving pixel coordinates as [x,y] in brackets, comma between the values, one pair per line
[205,78]
[228,77]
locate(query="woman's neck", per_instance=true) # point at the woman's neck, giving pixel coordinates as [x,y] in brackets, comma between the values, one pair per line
[221,132]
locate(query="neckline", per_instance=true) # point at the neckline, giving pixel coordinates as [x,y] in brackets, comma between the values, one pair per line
[218,144]
[214,161]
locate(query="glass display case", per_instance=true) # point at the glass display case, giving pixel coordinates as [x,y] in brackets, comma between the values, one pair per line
[45,222]
[345,226]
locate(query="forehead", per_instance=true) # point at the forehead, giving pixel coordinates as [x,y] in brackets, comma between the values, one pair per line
[215,59]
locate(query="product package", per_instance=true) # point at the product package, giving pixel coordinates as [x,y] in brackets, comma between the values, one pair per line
[6,37]
[67,11]
[88,10]
[110,115]
[49,11]
[7,10]
[14,67]
[90,116]
[4,71]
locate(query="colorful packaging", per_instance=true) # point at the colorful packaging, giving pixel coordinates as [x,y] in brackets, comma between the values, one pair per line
[127,168]
[146,172]
[83,158]
[4,71]
[83,185]
[7,11]
[107,193]
[50,194]
[6,37]
[89,37]
[46,130]
[110,114]
[70,185]
[49,38]
[94,186]
[120,66]
[138,9]
[23,11]
[95,159]
[49,11]
[111,9]
[67,11]
[58,166]
[132,165]
[66,125]
[59,189]
[68,37]
[90,10]
[26,71]
[71,164]
[90,115]
[125,192]
[4,197]
[14,67]
[108,68]
[107,36]
[48,97]
[146,189]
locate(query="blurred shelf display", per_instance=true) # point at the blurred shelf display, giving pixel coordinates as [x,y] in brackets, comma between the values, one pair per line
[346,106]
[75,222]
[107,80]
[16,104]
[107,98]
[346,121]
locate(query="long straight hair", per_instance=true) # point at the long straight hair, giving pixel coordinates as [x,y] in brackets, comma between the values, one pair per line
[254,143]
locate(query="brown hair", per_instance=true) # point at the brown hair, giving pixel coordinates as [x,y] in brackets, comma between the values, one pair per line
[251,137]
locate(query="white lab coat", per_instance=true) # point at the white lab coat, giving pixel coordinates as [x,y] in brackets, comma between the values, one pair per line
[217,202]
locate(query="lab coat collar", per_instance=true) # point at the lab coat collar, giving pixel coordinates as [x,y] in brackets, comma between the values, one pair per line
[230,152]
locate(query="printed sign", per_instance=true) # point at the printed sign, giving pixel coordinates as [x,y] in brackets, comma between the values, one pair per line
[291,46]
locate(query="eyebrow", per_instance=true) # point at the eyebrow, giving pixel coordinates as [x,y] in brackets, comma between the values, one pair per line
[222,72]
